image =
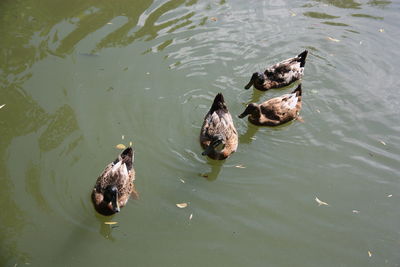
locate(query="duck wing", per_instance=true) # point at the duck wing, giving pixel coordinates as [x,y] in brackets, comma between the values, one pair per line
[119,171]
[279,107]
[288,68]
[218,123]
[289,102]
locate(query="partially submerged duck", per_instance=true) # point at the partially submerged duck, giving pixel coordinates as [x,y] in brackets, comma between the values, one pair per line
[275,111]
[218,136]
[115,185]
[279,75]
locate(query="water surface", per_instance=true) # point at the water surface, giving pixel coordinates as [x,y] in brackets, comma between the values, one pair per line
[76,76]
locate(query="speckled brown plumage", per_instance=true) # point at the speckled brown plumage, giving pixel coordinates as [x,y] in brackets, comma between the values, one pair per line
[120,173]
[279,75]
[218,126]
[275,111]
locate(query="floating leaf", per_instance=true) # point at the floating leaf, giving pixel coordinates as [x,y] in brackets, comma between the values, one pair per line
[369,254]
[383,143]
[109,23]
[293,14]
[333,39]
[321,202]
[110,223]
[2,106]
[191,216]
[205,175]
[182,205]
[240,166]
[120,146]
[317,110]
[213,18]
[182,181]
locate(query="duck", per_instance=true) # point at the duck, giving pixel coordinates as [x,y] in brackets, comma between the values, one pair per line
[218,135]
[115,185]
[279,75]
[275,111]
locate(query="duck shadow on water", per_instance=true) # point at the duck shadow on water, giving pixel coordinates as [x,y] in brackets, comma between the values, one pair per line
[249,135]
[216,166]
[106,229]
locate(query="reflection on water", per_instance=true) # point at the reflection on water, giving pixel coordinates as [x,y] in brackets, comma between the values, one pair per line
[319,15]
[341,3]
[215,166]
[61,125]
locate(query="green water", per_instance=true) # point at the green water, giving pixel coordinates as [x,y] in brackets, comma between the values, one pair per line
[76,76]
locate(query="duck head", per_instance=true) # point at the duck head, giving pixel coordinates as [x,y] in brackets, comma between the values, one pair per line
[111,198]
[217,141]
[256,78]
[251,109]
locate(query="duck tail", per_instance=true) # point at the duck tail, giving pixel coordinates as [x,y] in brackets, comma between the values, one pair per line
[303,56]
[127,157]
[297,91]
[218,102]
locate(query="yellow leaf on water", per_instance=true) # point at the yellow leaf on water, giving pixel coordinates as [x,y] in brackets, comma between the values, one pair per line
[120,146]
[182,205]
[110,223]
[369,254]
[321,202]
[333,39]
[293,14]
[2,106]
[213,18]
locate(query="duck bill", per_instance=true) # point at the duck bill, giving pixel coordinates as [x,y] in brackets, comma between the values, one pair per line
[244,114]
[249,84]
[213,145]
[115,204]
[207,150]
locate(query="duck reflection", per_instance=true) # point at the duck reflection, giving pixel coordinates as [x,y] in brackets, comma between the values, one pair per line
[249,135]
[107,229]
[216,166]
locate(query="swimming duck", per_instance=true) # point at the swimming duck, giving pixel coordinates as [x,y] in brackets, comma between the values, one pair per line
[218,136]
[115,185]
[275,111]
[279,75]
